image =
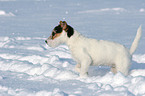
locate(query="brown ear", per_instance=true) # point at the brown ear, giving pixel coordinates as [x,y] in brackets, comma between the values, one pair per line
[63,24]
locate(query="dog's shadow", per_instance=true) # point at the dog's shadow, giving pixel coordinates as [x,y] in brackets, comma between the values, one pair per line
[103,70]
[135,66]
[98,70]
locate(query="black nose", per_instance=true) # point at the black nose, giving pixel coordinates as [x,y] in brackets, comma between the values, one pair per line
[45,41]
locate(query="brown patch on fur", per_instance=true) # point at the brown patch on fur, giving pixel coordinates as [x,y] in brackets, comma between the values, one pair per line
[78,68]
[66,28]
[55,36]
[63,25]
[113,69]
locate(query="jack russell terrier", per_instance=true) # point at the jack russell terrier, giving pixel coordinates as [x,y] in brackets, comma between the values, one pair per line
[86,51]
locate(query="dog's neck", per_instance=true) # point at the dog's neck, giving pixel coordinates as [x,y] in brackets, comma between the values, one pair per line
[73,39]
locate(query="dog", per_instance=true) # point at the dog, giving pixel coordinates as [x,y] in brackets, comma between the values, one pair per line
[87,51]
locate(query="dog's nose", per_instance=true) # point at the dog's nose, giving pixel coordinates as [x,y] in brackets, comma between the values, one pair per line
[45,41]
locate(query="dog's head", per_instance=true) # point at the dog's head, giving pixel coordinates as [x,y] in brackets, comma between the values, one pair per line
[60,34]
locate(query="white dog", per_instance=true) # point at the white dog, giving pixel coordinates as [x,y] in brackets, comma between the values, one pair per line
[88,51]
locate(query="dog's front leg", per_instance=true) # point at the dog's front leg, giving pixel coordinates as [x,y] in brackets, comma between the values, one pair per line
[85,63]
[78,68]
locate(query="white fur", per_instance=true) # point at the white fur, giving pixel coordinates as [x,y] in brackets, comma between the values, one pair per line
[136,40]
[88,52]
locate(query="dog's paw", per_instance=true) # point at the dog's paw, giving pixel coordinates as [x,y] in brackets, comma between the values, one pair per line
[77,69]
[84,75]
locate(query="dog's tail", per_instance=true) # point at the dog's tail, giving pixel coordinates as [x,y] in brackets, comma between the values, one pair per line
[136,41]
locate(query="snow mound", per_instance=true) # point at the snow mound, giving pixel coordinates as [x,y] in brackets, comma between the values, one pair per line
[139,58]
[28,64]
[3,13]
[7,0]
[104,10]
[5,91]
[142,10]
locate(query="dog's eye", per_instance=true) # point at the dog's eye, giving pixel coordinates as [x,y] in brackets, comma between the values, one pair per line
[53,33]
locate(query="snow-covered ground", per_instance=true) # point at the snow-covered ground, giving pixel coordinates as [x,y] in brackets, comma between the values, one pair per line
[28,67]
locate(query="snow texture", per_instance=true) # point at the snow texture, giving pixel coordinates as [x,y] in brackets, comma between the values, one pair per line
[3,13]
[28,67]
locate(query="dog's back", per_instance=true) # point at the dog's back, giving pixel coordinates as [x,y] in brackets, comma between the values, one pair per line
[105,52]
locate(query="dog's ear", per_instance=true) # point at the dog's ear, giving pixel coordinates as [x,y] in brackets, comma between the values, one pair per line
[70,31]
[63,24]
[67,28]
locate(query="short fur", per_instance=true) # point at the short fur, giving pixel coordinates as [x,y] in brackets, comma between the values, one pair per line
[88,51]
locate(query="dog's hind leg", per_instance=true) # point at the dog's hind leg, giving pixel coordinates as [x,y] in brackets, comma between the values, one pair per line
[113,69]
[123,66]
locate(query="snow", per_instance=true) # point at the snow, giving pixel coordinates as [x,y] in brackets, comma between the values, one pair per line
[28,67]
[142,10]
[3,13]
[139,58]
[105,10]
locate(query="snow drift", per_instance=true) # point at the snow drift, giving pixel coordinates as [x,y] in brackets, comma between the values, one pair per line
[3,13]
[56,65]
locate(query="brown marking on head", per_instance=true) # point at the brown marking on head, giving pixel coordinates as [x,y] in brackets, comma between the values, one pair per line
[56,32]
[67,28]
[63,25]
[59,29]
[55,36]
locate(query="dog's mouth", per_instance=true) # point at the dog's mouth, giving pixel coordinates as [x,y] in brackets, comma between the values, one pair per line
[51,43]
